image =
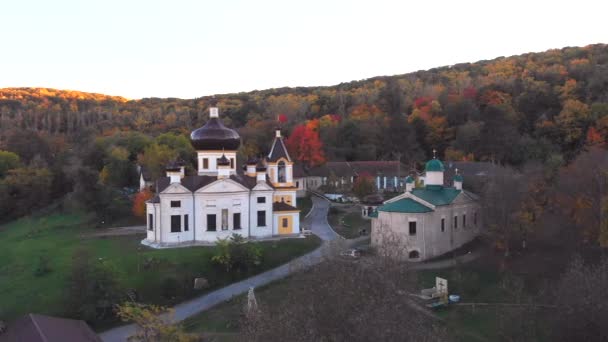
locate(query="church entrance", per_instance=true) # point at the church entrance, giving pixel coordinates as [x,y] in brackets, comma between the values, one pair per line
[285,224]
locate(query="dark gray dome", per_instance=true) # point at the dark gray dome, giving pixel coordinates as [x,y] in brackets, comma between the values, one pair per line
[215,136]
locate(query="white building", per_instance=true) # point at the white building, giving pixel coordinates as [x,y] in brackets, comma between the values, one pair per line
[429,221]
[220,200]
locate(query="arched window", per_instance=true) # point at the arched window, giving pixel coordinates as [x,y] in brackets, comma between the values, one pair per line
[414,255]
[281,172]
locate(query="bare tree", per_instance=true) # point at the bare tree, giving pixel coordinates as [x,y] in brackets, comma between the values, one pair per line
[583,305]
[346,300]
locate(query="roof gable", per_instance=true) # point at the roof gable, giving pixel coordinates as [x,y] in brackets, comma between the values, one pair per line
[223,185]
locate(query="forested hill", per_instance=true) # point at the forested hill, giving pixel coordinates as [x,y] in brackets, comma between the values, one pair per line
[507,109]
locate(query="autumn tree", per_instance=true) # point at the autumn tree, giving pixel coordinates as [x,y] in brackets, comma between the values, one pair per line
[364,185]
[154,323]
[139,202]
[304,144]
[582,192]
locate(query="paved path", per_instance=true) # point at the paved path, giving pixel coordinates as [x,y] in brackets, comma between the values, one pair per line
[316,220]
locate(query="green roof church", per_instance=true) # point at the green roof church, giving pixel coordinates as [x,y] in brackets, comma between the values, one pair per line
[427,221]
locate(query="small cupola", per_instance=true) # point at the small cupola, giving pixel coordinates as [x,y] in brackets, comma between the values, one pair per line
[434,171]
[260,170]
[409,183]
[223,167]
[175,171]
[250,167]
[458,180]
[277,132]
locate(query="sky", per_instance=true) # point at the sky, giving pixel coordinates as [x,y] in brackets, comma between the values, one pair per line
[194,48]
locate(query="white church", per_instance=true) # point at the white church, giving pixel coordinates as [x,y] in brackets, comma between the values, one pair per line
[427,221]
[257,202]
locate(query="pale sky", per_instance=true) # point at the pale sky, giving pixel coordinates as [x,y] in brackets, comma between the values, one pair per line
[189,48]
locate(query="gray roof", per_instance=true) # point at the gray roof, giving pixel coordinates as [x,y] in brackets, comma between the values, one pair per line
[278,150]
[34,328]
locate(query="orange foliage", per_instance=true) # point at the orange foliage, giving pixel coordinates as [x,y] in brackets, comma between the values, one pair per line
[139,202]
[364,112]
[494,97]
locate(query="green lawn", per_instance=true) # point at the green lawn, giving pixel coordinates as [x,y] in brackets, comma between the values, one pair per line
[347,221]
[167,281]
[224,318]
[481,282]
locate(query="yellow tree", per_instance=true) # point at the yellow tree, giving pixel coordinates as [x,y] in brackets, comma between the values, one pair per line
[154,323]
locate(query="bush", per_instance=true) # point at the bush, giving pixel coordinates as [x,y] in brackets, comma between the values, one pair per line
[235,254]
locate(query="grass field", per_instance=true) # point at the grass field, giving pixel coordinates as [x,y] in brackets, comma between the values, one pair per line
[56,237]
[347,221]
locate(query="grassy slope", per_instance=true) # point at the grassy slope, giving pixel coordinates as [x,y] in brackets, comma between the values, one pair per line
[23,242]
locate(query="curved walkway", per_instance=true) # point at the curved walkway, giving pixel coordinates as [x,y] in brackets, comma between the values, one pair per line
[316,220]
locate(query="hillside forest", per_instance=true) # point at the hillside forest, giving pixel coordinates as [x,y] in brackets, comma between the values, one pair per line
[81,149]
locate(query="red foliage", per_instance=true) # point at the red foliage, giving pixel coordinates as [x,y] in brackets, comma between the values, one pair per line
[305,145]
[422,102]
[594,137]
[469,93]
[139,202]
[282,118]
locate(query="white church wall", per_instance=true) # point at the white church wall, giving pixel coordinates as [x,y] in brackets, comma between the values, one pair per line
[164,233]
[255,230]
[212,204]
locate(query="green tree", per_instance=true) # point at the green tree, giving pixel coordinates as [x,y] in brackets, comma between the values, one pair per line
[92,290]
[8,160]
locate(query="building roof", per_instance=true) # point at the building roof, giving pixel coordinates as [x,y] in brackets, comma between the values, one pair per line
[145,174]
[436,194]
[298,171]
[409,179]
[278,150]
[282,206]
[356,168]
[34,328]
[194,183]
[405,205]
[458,178]
[434,165]
[373,199]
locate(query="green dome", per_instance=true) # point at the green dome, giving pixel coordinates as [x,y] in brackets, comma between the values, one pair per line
[434,165]
[409,179]
[458,178]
